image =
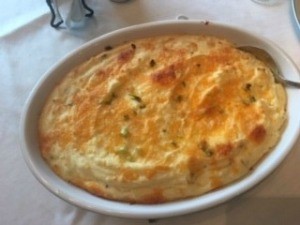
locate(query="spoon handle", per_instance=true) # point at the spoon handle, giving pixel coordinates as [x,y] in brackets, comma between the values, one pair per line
[291,83]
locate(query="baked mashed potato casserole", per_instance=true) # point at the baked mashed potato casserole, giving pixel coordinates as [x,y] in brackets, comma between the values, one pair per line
[161,119]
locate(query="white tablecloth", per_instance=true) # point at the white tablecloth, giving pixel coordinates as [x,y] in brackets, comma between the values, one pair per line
[29,47]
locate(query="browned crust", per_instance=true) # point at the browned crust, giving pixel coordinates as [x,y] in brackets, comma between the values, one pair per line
[172,138]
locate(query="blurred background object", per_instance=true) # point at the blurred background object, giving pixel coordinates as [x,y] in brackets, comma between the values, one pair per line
[267,2]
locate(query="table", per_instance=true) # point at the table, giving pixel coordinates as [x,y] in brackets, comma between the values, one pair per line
[29,47]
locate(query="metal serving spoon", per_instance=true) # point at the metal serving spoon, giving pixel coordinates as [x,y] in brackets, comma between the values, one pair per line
[269,61]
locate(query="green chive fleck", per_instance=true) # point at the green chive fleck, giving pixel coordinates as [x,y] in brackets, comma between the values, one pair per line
[179,98]
[124,132]
[174,144]
[126,117]
[108,100]
[208,152]
[205,148]
[248,87]
[123,150]
[135,98]
[152,63]
[252,99]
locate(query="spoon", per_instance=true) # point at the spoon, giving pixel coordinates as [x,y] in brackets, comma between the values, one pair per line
[269,61]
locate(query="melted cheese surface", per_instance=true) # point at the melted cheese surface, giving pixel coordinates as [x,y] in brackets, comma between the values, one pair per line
[162,118]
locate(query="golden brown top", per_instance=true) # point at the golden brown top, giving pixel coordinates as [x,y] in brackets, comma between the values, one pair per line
[162,118]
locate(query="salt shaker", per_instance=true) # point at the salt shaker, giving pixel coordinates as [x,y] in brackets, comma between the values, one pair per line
[79,10]
[76,16]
